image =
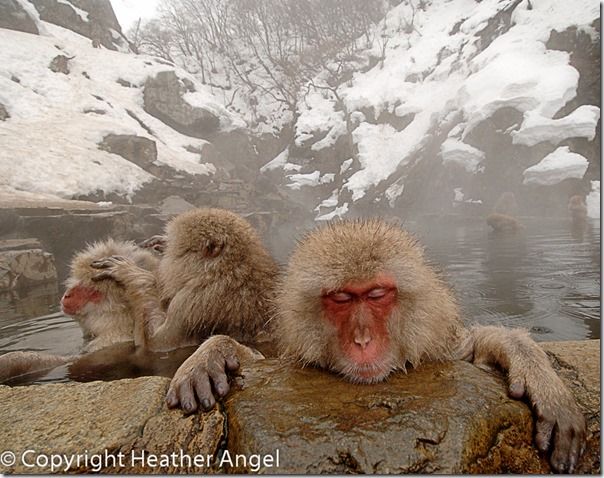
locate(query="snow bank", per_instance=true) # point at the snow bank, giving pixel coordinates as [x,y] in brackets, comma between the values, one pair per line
[556,167]
[535,128]
[436,74]
[455,151]
[49,143]
[593,200]
[317,116]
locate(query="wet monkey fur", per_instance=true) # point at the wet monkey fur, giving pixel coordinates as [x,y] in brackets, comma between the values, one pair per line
[359,300]
[101,308]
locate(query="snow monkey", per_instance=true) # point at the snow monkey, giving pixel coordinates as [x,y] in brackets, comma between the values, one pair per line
[577,209]
[358,299]
[502,217]
[214,277]
[101,308]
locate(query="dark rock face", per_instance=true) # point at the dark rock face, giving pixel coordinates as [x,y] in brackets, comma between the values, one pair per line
[163,96]
[4,114]
[60,64]
[98,25]
[136,149]
[14,17]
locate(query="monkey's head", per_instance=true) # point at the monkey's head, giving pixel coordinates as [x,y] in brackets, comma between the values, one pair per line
[83,296]
[359,300]
[209,233]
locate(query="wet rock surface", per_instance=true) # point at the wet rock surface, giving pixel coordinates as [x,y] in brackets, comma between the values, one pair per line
[23,263]
[441,418]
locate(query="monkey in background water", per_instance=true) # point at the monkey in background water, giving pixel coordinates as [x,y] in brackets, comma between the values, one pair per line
[502,219]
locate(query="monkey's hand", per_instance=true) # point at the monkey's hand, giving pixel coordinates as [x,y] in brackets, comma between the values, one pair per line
[203,376]
[560,425]
[114,268]
[157,243]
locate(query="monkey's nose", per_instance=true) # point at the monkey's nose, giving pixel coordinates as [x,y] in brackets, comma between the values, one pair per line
[362,338]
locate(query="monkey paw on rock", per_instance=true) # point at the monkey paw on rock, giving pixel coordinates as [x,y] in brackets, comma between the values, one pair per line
[560,425]
[203,376]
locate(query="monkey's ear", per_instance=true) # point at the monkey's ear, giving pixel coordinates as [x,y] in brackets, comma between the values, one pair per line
[214,248]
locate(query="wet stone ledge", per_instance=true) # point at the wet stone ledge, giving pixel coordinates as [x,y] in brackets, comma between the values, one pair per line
[450,418]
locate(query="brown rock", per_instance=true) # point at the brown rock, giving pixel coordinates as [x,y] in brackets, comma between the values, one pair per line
[112,420]
[451,418]
[441,418]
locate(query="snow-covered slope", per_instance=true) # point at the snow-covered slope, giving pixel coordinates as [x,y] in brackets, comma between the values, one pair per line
[49,142]
[445,68]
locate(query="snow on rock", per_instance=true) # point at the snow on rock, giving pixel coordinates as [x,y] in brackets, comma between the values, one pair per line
[309,179]
[280,161]
[437,75]
[50,142]
[337,212]
[593,200]
[317,115]
[331,201]
[535,128]
[81,13]
[455,151]
[556,167]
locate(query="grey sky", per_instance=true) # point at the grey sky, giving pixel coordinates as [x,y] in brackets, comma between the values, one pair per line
[129,11]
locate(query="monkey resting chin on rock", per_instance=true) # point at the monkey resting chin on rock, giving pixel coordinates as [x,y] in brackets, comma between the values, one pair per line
[358,299]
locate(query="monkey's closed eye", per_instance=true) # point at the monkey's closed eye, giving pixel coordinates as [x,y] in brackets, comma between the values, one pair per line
[340,297]
[377,293]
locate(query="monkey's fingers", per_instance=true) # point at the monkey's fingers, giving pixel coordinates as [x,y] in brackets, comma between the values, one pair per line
[102,264]
[201,383]
[157,243]
[105,275]
[220,380]
[186,396]
[544,433]
[568,445]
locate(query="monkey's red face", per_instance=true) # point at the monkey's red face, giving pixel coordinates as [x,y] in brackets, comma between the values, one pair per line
[360,313]
[77,298]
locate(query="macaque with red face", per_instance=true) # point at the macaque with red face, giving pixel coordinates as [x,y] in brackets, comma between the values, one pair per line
[214,277]
[359,300]
[101,308]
